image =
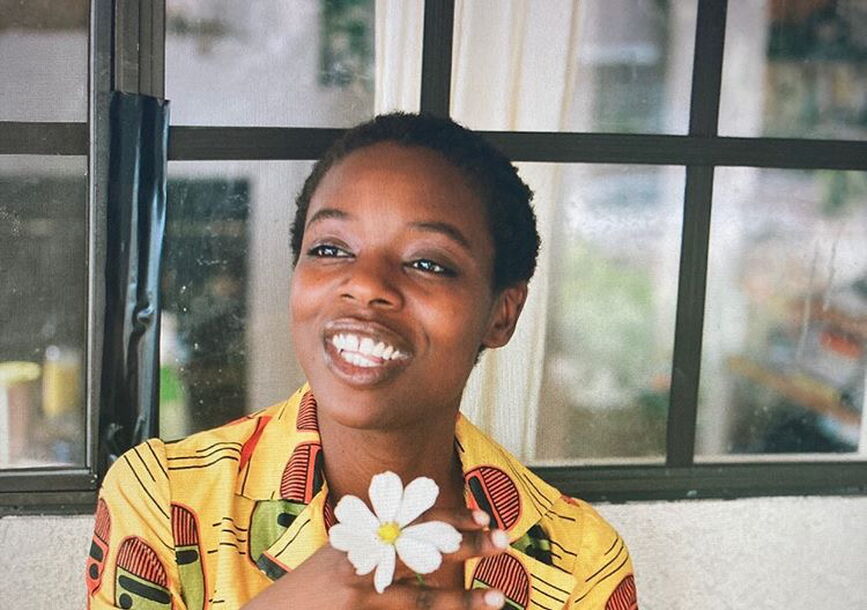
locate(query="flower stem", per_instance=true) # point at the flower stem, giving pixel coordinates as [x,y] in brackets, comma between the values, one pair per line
[420,579]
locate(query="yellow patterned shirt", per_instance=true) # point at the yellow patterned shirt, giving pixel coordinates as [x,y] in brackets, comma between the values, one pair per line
[210,521]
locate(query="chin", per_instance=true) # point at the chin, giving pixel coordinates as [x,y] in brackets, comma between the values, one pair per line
[360,408]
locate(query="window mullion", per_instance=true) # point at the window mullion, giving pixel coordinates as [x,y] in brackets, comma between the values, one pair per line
[42,138]
[100,85]
[140,50]
[436,63]
[704,115]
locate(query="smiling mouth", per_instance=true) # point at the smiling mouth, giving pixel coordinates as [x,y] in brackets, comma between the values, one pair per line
[364,352]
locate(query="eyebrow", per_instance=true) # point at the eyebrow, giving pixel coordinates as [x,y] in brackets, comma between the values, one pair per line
[444,228]
[326,213]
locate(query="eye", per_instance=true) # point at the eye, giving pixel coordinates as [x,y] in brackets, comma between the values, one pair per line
[327,251]
[429,266]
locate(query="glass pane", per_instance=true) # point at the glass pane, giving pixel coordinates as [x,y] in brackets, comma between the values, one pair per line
[301,63]
[622,66]
[43,46]
[612,290]
[786,319]
[225,344]
[795,69]
[43,266]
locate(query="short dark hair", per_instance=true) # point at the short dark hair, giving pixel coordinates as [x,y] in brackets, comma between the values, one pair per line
[506,197]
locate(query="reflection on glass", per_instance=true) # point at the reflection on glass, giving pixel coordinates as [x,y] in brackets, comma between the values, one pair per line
[224,339]
[795,69]
[619,66]
[43,261]
[43,46]
[300,63]
[785,333]
[614,251]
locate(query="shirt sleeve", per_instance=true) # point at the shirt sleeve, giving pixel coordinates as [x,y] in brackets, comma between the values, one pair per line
[132,554]
[606,579]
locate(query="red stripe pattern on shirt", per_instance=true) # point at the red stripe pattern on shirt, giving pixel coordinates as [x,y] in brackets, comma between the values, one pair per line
[297,482]
[502,493]
[184,527]
[102,527]
[306,419]
[624,596]
[505,573]
[136,557]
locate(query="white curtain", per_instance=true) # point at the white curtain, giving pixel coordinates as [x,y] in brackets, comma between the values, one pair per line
[513,69]
[397,44]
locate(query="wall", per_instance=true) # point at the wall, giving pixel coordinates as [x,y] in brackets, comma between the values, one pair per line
[793,553]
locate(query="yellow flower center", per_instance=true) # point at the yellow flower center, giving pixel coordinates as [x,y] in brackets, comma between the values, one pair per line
[389,532]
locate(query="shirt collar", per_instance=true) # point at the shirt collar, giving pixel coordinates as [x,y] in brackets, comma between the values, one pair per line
[282,458]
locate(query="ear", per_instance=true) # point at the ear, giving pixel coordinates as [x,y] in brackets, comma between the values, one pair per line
[504,315]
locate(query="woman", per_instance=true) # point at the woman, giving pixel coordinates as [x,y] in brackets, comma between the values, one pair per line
[413,244]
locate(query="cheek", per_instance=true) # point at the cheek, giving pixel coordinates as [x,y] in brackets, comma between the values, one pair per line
[459,324]
[304,296]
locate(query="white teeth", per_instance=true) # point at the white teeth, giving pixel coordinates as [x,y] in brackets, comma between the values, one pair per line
[357,360]
[366,346]
[360,351]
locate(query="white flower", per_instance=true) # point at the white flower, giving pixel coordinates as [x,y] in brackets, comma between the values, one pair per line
[371,540]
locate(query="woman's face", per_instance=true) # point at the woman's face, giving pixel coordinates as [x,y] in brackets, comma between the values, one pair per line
[391,296]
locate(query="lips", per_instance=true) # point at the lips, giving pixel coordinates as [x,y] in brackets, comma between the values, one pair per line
[364,352]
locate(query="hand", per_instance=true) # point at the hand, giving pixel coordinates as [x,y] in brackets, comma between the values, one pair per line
[328,580]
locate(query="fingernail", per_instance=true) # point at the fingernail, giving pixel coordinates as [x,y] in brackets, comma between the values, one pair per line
[494,598]
[499,538]
[481,517]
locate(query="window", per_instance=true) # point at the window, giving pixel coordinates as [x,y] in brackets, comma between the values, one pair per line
[698,318]
[48,243]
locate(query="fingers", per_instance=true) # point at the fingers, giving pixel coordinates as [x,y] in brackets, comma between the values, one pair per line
[479,544]
[426,598]
[476,541]
[461,518]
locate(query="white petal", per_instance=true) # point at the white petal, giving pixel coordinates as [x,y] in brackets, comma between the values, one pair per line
[418,496]
[343,537]
[364,559]
[361,546]
[384,569]
[418,555]
[351,510]
[346,537]
[386,491]
[438,533]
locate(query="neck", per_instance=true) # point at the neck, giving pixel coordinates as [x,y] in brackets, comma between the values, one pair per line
[353,456]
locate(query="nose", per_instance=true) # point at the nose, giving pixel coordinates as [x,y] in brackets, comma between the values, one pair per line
[372,282]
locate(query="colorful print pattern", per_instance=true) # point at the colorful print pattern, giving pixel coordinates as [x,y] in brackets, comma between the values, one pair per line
[141,577]
[98,547]
[188,554]
[506,573]
[307,414]
[302,477]
[209,521]
[496,494]
[624,596]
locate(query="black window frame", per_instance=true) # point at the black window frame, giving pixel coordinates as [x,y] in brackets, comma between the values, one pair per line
[127,47]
